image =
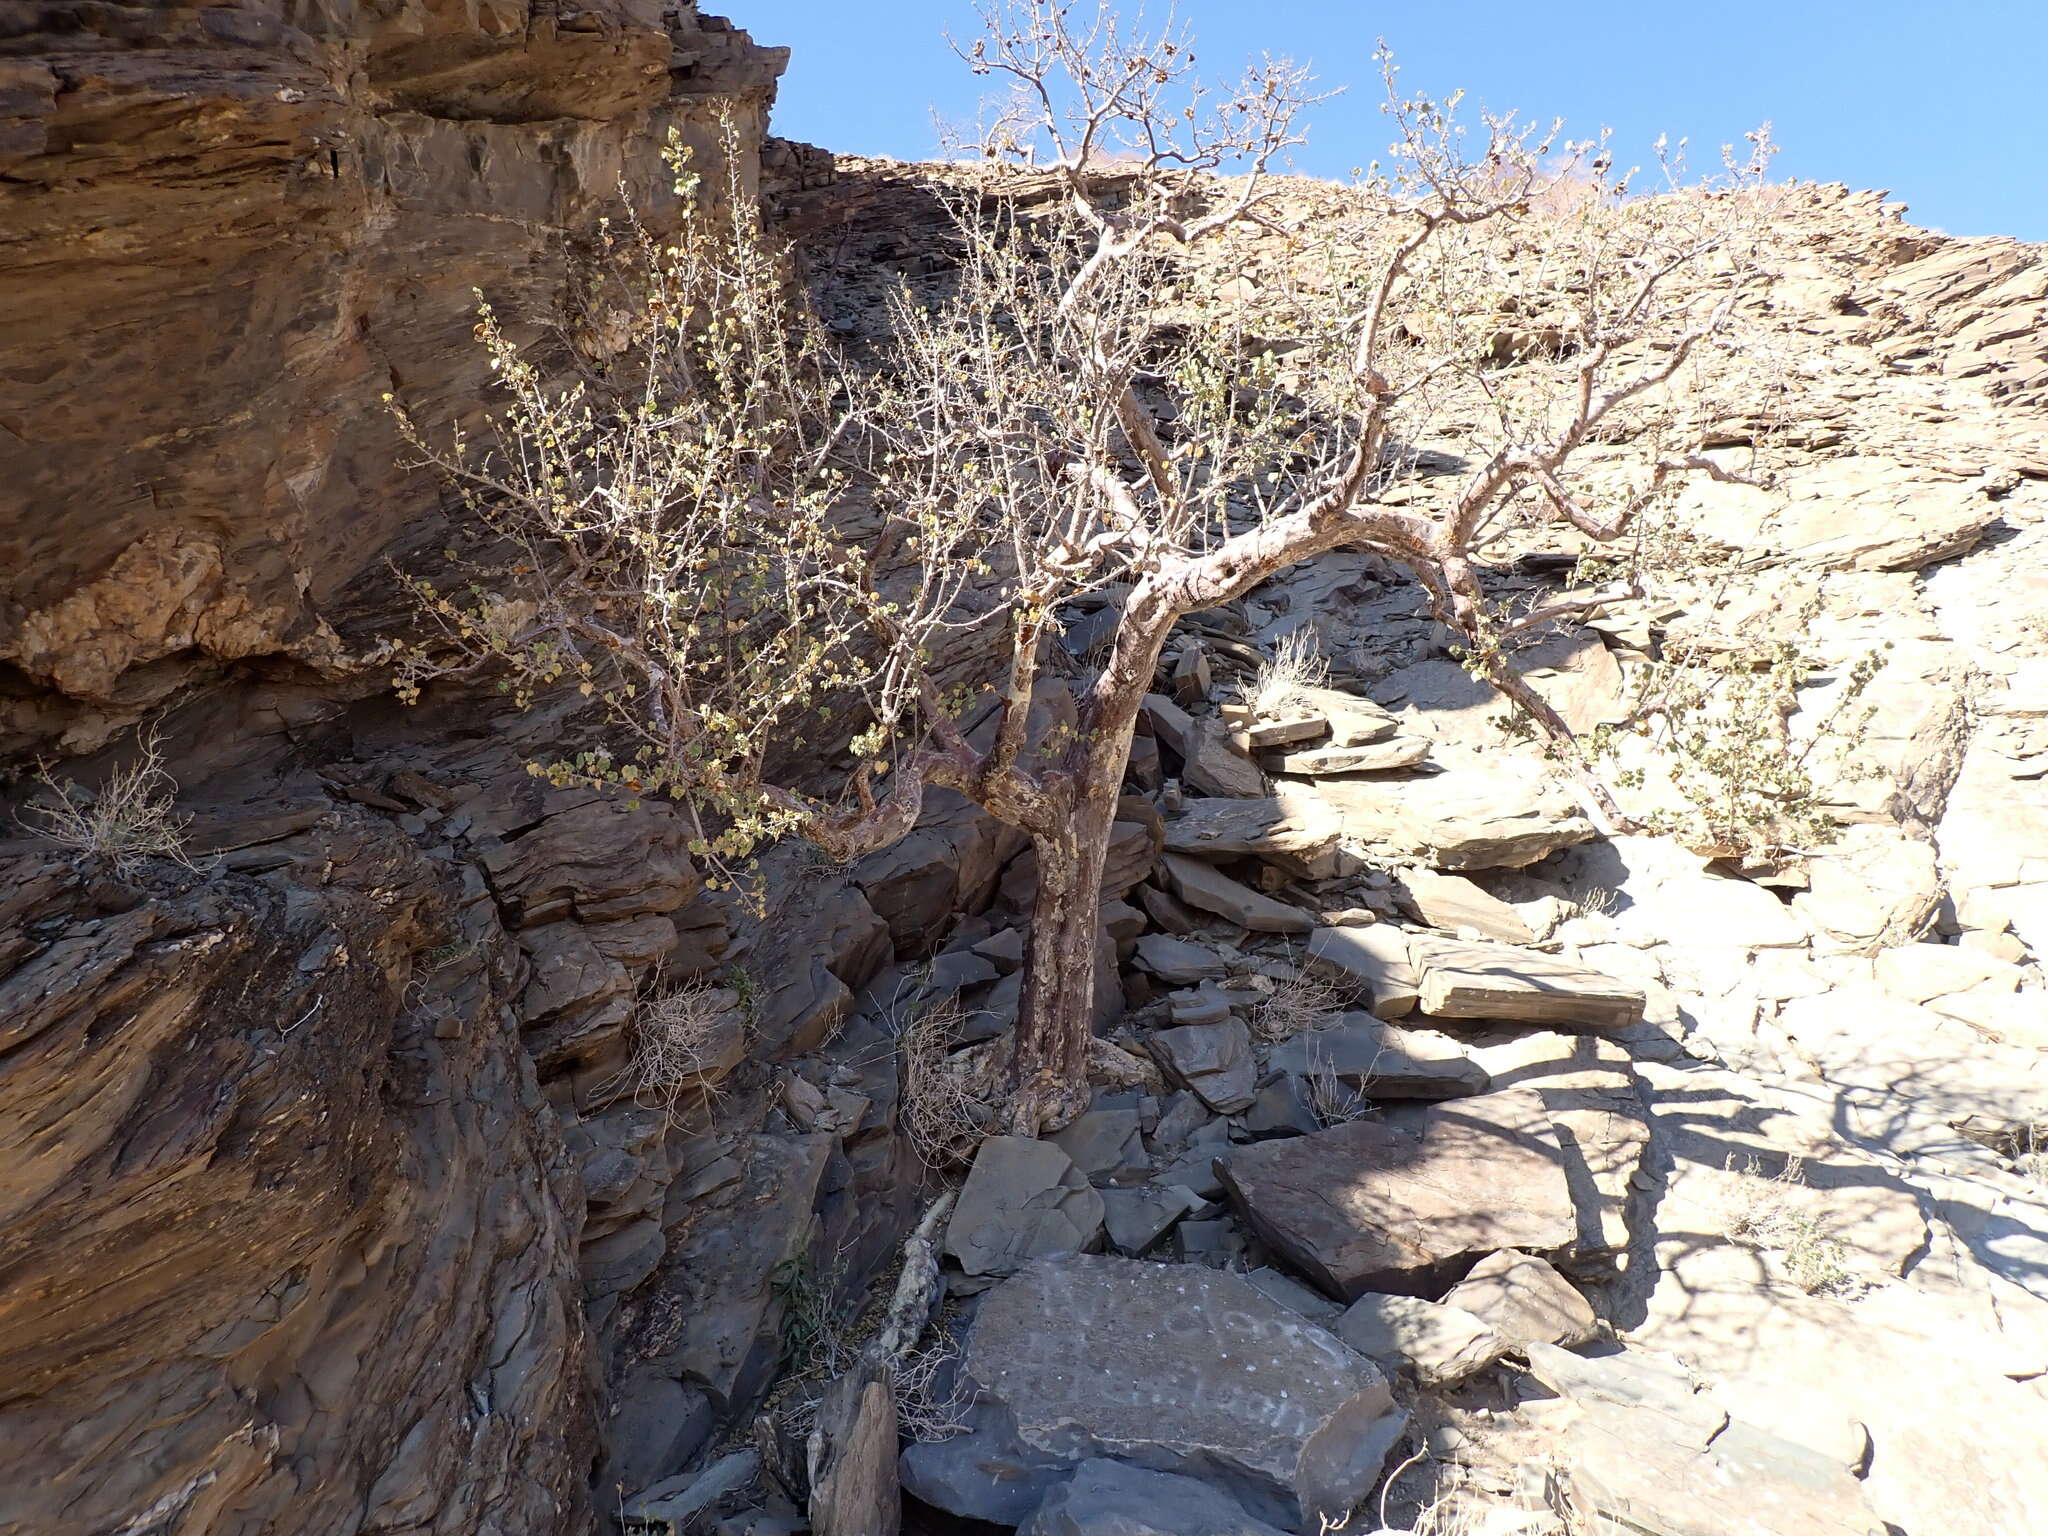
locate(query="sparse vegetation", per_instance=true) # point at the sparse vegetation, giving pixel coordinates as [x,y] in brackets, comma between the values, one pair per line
[941,1111]
[1766,1214]
[130,820]
[1298,1004]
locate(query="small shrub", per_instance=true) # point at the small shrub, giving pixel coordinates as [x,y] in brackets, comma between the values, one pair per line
[1765,1215]
[1294,1006]
[926,1411]
[130,820]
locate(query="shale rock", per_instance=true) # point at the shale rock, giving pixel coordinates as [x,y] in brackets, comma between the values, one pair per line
[1180,1370]
[1365,1207]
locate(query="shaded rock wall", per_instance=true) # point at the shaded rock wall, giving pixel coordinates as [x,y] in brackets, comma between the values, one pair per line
[298,1207]
[224,233]
[283,1230]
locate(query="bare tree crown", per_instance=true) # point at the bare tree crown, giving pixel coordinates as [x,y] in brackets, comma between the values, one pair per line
[740,534]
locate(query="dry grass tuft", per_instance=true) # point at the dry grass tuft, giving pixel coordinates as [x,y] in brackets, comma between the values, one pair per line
[931,1399]
[130,820]
[1281,686]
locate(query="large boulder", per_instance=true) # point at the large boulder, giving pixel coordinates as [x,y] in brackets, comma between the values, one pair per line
[1175,1369]
[1108,1498]
[1368,1207]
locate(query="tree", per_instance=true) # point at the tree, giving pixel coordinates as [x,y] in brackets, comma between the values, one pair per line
[701,534]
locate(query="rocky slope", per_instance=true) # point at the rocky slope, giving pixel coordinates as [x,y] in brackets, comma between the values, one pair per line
[332,1195]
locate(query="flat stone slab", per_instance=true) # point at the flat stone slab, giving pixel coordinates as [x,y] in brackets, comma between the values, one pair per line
[1184,1370]
[1211,763]
[1375,959]
[1502,816]
[1383,1061]
[1451,902]
[1178,962]
[1366,1207]
[1325,762]
[1522,986]
[1023,1199]
[1438,1345]
[1293,831]
[1214,1061]
[1208,889]
[1525,1301]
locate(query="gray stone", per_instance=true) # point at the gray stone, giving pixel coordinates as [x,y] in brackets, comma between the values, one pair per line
[1022,1200]
[1284,1107]
[1295,832]
[1185,1370]
[986,1473]
[1195,1168]
[1212,762]
[1204,1005]
[656,1425]
[1214,1061]
[1365,1207]
[1374,959]
[1182,1117]
[1629,1378]
[1003,949]
[1919,972]
[1207,889]
[1494,981]
[1305,1301]
[1453,903]
[1438,1345]
[1136,1219]
[1108,1498]
[675,1503]
[960,970]
[1625,1465]
[1106,1146]
[1324,762]
[1525,1301]
[1216,1243]
[1177,962]
[1383,1061]
[1488,811]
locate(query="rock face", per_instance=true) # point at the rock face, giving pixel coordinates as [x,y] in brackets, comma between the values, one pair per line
[257,1174]
[1180,1369]
[289,208]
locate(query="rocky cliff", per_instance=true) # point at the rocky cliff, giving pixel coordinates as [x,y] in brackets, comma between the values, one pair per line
[225,232]
[290,1237]
[338,1192]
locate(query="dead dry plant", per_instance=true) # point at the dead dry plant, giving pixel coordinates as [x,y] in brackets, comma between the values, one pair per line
[943,1111]
[678,1039]
[130,819]
[1298,1004]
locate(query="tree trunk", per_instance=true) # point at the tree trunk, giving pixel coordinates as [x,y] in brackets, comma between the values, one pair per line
[1056,1013]
[1056,1010]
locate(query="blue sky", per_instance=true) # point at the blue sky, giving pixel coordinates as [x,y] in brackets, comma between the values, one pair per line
[1943,102]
